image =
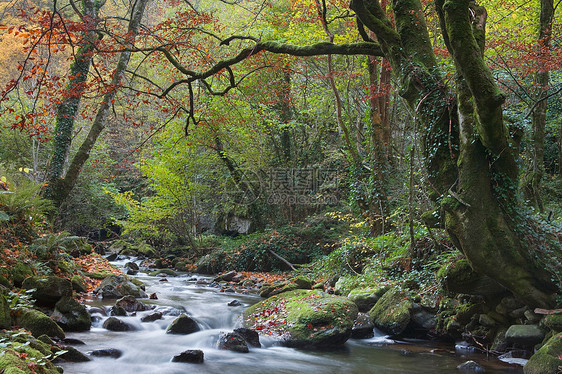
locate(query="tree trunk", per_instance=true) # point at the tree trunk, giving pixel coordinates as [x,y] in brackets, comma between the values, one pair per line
[533,178]
[60,188]
[472,173]
[68,108]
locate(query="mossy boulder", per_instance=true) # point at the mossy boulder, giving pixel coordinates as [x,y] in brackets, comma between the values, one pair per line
[547,359]
[366,298]
[117,286]
[162,272]
[79,284]
[183,325]
[553,322]
[527,335]
[5,281]
[71,315]
[48,289]
[146,250]
[391,313]
[14,360]
[19,272]
[5,318]
[38,323]
[458,277]
[304,318]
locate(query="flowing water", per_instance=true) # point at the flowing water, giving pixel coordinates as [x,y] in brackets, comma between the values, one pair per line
[149,349]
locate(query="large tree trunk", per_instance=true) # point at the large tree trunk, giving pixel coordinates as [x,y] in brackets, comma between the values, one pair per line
[60,188]
[472,173]
[68,108]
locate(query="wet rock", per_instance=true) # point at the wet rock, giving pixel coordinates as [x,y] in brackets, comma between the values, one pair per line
[547,359]
[72,341]
[71,315]
[132,272]
[423,318]
[115,324]
[48,289]
[234,303]
[73,355]
[78,284]
[366,298]
[183,325]
[108,352]
[471,367]
[132,266]
[553,322]
[117,286]
[362,327]
[112,257]
[163,273]
[118,311]
[238,278]
[152,317]
[131,304]
[526,335]
[232,342]
[304,318]
[391,313]
[227,277]
[250,336]
[38,323]
[193,356]
[153,296]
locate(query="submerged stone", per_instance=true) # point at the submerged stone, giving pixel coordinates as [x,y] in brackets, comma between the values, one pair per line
[183,325]
[193,356]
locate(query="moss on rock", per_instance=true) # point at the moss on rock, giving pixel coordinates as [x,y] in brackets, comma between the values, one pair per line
[547,359]
[48,289]
[304,318]
[391,313]
[366,298]
[38,323]
[71,315]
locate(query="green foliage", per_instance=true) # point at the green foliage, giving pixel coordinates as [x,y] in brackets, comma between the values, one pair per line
[20,299]
[23,203]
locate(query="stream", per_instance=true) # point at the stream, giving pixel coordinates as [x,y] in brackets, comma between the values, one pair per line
[150,350]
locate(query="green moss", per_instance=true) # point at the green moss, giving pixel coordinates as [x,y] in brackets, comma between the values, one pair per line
[38,323]
[19,272]
[553,322]
[391,313]
[547,359]
[304,318]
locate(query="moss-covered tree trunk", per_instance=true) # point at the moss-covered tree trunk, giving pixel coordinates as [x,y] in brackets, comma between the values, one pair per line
[68,108]
[60,187]
[471,164]
[535,171]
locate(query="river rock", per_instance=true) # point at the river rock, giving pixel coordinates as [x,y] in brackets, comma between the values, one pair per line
[73,355]
[553,322]
[117,286]
[304,318]
[366,298]
[48,289]
[232,342]
[132,265]
[71,315]
[362,327]
[193,356]
[391,313]
[108,352]
[234,303]
[472,367]
[38,323]
[118,311]
[526,335]
[79,284]
[250,336]
[152,317]
[547,359]
[115,324]
[183,325]
[226,277]
[131,304]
